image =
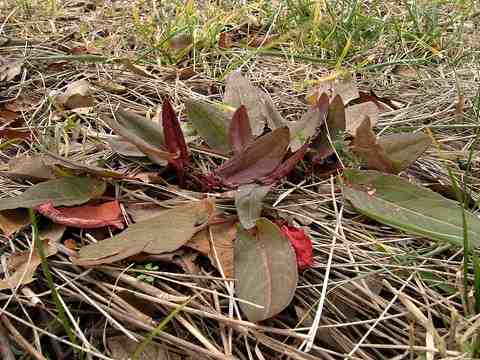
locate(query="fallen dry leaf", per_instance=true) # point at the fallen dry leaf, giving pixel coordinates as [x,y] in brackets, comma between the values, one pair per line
[366,147]
[122,348]
[391,153]
[9,69]
[355,114]
[34,168]
[220,247]
[7,116]
[110,86]
[11,134]
[345,88]
[85,216]
[181,42]
[13,220]
[21,266]
[260,40]
[51,231]
[77,95]
[155,235]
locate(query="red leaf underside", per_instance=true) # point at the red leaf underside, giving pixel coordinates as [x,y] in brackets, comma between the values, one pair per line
[302,245]
[85,216]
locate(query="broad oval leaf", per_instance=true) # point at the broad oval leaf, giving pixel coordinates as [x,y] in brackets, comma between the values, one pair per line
[258,160]
[163,233]
[239,91]
[145,134]
[265,269]
[211,123]
[249,203]
[66,191]
[394,201]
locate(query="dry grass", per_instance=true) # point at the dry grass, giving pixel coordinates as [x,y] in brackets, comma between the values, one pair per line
[383,294]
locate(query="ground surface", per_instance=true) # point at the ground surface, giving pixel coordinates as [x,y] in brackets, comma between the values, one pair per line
[421,54]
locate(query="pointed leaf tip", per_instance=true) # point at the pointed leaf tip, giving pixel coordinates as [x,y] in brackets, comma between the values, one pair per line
[240,133]
[174,139]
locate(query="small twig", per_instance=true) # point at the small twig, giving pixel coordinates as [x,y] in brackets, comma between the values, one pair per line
[5,350]
[20,340]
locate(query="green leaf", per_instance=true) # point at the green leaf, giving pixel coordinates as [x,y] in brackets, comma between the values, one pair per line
[265,269]
[125,148]
[239,91]
[145,134]
[248,202]
[155,235]
[394,201]
[66,191]
[404,149]
[211,122]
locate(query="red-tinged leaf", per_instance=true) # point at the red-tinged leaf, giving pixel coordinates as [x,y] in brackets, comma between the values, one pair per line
[240,133]
[259,159]
[10,134]
[302,244]
[288,165]
[174,139]
[86,216]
